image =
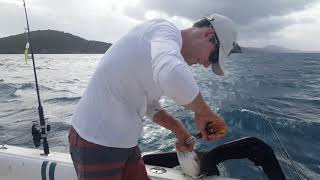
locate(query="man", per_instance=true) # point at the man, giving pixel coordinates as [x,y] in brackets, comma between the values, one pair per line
[148,62]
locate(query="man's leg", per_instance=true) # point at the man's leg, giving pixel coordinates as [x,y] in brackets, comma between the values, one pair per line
[252,148]
[96,162]
[134,168]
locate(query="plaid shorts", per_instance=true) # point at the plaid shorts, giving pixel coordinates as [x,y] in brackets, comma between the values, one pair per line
[96,162]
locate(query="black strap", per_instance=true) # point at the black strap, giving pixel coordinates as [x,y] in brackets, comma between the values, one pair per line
[251,148]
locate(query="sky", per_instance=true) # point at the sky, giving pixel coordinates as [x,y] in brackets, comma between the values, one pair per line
[293,24]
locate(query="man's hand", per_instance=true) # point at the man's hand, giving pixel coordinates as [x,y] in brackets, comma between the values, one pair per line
[215,122]
[182,135]
[205,116]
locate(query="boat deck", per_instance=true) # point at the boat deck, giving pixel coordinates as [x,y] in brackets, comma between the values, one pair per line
[18,163]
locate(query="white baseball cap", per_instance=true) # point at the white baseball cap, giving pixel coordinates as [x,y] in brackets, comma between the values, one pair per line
[227,35]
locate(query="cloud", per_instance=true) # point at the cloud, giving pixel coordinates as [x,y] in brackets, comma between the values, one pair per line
[241,11]
[259,22]
[92,20]
[12,19]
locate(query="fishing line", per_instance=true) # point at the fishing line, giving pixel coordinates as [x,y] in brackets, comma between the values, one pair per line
[284,148]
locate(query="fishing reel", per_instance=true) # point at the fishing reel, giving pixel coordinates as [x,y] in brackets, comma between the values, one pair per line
[36,133]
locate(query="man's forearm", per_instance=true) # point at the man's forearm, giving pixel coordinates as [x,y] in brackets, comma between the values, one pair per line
[199,106]
[166,120]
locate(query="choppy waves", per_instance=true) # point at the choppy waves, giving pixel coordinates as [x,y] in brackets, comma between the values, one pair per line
[260,89]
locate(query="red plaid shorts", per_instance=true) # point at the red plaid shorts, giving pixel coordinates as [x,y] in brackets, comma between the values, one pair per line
[96,162]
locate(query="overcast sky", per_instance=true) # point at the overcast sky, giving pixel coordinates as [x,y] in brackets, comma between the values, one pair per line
[293,24]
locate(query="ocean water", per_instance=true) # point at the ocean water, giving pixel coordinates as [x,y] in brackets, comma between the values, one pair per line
[283,89]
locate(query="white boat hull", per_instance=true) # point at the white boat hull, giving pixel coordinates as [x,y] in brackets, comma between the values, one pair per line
[18,163]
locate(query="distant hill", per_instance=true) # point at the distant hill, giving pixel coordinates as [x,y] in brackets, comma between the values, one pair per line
[52,42]
[57,42]
[269,49]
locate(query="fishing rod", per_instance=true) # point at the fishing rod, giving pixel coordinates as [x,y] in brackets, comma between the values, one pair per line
[36,133]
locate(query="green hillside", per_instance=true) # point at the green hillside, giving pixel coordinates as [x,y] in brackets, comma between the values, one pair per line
[52,42]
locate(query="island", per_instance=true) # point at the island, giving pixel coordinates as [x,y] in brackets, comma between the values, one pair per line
[52,42]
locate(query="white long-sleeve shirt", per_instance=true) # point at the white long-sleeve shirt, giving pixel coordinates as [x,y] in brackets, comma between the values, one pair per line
[129,80]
